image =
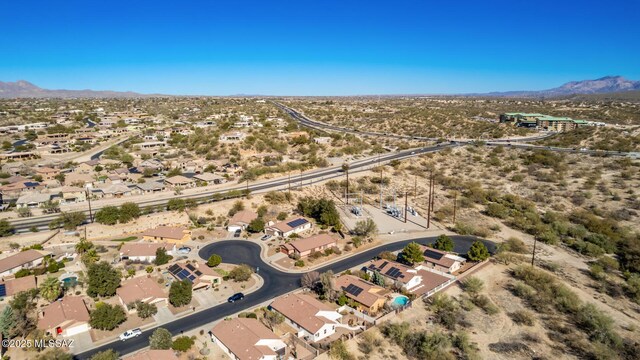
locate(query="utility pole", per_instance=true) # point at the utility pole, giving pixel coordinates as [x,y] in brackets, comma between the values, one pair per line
[247,191]
[455,201]
[533,255]
[381,187]
[429,201]
[88,195]
[433,193]
[406,198]
[289,183]
[345,168]
[415,187]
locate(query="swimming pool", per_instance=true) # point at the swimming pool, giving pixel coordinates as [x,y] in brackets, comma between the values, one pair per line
[400,301]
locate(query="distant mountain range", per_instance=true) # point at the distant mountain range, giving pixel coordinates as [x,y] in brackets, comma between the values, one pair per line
[604,85]
[25,89]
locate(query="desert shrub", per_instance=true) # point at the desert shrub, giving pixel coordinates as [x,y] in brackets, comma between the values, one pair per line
[522,317]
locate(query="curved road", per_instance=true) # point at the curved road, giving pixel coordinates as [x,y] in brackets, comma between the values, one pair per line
[276,283]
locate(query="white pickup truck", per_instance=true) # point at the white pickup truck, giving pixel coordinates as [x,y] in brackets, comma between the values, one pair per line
[130,334]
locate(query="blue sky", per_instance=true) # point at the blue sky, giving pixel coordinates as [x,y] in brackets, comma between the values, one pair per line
[302,47]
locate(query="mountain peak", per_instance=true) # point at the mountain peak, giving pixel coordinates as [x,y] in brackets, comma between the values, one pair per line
[25,89]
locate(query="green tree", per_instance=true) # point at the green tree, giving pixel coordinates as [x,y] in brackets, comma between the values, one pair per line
[70,220]
[214,260]
[324,211]
[6,228]
[145,310]
[103,279]
[365,227]
[160,339]
[174,172]
[180,293]
[256,225]
[129,211]
[240,273]
[7,322]
[50,289]
[107,317]
[378,279]
[83,246]
[176,205]
[272,318]
[412,253]
[106,355]
[443,243]
[182,343]
[108,215]
[262,210]
[161,256]
[90,257]
[472,285]
[237,207]
[478,252]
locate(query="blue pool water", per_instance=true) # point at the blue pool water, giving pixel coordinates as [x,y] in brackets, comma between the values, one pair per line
[70,281]
[400,301]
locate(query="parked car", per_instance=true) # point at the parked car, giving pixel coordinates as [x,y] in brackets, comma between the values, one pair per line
[184,250]
[130,334]
[265,237]
[235,297]
[237,233]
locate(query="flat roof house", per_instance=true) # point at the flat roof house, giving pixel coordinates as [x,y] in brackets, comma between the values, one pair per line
[415,281]
[441,260]
[179,181]
[144,289]
[23,260]
[247,339]
[197,272]
[289,227]
[170,234]
[304,247]
[241,219]
[210,179]
[66,317]
[312,319]
[144,251]
[369,297]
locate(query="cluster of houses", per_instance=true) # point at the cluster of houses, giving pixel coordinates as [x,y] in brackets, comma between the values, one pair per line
[545,122]
[104,178]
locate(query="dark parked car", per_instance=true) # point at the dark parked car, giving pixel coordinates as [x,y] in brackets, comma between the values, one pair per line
[237,233]
[235,297]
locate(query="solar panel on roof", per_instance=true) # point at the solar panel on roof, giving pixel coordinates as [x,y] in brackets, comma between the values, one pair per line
[198,272]
[191,278]
[384,264]
[174,269]
[353,290]
[297,222]
[3,290]
[190,267]
[433,255]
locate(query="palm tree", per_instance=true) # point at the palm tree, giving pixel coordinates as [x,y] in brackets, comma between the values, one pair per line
[83,246]
[50,289]
[90,257]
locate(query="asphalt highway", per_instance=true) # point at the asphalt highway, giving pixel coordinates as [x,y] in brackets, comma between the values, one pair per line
[276,283]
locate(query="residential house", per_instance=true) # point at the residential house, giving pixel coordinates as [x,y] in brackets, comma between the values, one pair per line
[72,194]
[16,188]
[241,219]
[311,319]
[13,286]
[66,317]
[171,234]
[304,247]
[144,289]
[416,281]
[247,339]
[22,260]
[369,298]
[149,187]
[289,227]
[144,251]
[80,179]
[441,260]
[32,200]
[210,179]
[112,191]
[233,136]
[196,272]
[179,181]
[15,168]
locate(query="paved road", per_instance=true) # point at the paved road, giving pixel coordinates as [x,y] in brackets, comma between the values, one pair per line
[276,283]
[42,221]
